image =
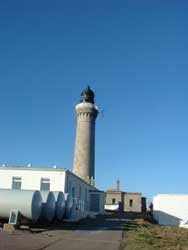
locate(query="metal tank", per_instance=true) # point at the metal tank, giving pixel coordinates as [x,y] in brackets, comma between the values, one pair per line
[48,206]
[68,205]
[60,205]
[27,202]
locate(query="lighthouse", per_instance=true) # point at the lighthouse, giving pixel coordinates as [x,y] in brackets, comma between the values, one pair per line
[84,155]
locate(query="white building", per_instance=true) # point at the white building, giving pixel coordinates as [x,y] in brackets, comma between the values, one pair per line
[171,209]
[87,200]
[80,184]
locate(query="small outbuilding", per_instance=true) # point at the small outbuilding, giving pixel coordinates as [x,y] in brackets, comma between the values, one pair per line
[117,200]
[171,209]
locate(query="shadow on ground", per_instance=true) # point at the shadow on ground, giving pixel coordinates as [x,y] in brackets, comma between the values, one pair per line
[115,221]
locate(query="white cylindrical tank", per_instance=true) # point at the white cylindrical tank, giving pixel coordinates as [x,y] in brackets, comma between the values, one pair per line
[60,205]
[48,206]
[68,205]
[27,202]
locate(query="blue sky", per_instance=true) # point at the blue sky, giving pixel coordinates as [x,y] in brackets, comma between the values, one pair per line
[133,54]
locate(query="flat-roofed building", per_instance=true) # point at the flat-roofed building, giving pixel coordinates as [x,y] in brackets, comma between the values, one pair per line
[171,209]
[117,200]
[55,179]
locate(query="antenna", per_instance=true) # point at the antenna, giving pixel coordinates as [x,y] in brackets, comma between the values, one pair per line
[101,112]
[29,165]
[54,166]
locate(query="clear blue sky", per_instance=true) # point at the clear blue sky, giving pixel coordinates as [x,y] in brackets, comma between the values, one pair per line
[133,53]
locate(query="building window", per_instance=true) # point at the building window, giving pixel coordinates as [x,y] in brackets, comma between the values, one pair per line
[69,186]
[113,201]
[74,199]
[45,184]
[80,192]
[73,192]
[16,182]
[85,194]
[130,203]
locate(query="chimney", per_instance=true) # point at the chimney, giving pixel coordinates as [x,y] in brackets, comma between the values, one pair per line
[118,185]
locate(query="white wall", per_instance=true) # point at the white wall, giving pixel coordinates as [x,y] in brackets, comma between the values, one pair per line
[60,180]
[111,207]
[31,179]
[81,203]
[171,209]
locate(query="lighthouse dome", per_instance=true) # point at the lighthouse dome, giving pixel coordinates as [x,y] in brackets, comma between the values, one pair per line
[87,95]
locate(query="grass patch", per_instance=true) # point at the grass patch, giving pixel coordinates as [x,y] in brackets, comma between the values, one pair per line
[144,234]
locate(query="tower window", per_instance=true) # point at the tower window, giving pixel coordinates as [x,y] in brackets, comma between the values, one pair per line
[16,182]
[130,203]
[45,184]
[113,201]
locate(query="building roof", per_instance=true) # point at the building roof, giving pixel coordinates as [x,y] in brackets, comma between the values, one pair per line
[25,168]
[114,190]
[118,192]
[136,193]
[32,168]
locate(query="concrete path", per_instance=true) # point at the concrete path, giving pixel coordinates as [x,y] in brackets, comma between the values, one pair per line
[104,233]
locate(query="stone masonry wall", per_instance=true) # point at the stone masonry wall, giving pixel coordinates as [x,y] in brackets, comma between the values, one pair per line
[132,202]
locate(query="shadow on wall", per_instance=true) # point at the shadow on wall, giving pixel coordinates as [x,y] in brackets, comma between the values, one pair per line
[121,206]
[166,219]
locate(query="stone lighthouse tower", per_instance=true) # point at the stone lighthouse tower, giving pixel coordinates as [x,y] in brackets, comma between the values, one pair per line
[84,155]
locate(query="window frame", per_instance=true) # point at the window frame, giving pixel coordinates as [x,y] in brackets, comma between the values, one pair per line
[130,202]
[16,180]
[113,201]
[45,182]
